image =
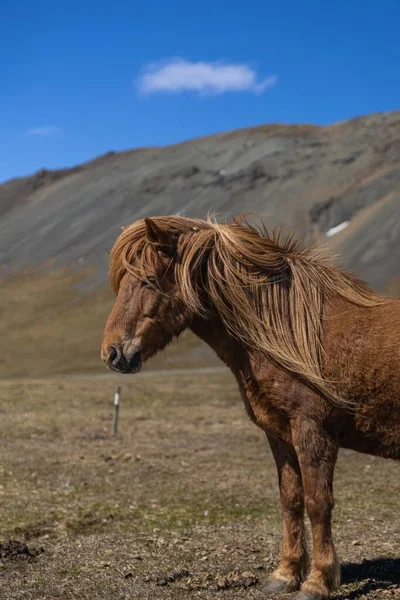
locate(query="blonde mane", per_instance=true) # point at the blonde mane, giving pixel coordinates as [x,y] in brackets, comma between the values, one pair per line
[269,292]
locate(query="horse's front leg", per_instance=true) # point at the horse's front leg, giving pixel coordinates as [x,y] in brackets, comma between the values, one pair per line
[293,565]
[317,455]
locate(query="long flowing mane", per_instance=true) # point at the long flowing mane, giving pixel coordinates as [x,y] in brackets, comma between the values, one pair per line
[269,291]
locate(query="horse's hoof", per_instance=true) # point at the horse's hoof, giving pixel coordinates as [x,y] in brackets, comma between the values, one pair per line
[303,596]
[279,586]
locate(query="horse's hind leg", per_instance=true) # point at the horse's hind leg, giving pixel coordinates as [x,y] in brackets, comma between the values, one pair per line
[293,565]
[317,455]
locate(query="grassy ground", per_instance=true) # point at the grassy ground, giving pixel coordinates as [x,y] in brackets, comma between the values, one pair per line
[182,503]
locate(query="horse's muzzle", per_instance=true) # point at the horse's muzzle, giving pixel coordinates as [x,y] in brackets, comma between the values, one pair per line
[117,360]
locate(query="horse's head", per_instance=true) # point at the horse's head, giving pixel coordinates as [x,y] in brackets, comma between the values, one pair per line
[148,312]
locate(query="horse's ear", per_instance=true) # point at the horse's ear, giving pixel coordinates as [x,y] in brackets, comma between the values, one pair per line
[165,239]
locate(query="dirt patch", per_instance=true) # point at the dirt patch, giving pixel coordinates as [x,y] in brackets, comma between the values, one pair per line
[206,581]
[16,550]
[237,580]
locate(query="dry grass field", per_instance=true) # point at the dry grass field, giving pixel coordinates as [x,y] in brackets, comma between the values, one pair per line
[181,503]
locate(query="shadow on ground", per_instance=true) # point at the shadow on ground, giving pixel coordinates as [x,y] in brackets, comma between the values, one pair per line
[380,574]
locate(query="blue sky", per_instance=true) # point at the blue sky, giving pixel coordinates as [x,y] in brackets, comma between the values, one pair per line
[81,78]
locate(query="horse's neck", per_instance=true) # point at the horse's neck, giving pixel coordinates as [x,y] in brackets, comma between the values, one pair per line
[233,353]
[213,332]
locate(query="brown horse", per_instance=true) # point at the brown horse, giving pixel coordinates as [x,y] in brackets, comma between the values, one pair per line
[316,355]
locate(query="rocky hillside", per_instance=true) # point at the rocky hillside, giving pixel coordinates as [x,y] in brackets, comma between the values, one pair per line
[306,178]
[338,184]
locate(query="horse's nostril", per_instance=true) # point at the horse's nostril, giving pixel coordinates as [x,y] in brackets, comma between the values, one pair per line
[114,354]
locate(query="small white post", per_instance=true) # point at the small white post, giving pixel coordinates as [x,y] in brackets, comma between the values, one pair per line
[116,409]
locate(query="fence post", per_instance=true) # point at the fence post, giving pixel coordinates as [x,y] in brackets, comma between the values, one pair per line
[116,409]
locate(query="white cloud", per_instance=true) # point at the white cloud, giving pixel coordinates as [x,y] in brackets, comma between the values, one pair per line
[179,75]
[44,131]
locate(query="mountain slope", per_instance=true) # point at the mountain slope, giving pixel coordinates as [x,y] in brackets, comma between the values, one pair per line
[306,178]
